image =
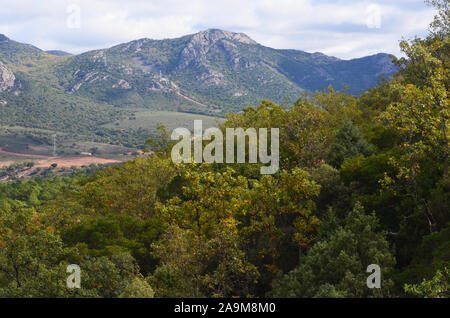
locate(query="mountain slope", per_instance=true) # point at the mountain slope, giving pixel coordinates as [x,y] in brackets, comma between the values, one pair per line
[217,68]
[32,96]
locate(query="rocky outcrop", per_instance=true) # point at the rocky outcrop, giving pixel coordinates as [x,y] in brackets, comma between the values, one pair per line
[7,78]
[90,77]
[212,77]
[123,84]
[201,43]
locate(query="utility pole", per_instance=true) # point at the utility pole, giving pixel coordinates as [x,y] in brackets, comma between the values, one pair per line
[54,146]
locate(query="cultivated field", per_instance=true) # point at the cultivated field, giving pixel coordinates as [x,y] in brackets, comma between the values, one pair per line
[150,119]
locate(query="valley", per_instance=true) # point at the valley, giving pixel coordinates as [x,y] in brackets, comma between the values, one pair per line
[108,102]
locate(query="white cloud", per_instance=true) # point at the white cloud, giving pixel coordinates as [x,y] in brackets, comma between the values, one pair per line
[338,28]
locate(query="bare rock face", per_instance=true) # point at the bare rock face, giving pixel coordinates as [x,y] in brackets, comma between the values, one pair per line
[202,42]
[123,84]
[7,78]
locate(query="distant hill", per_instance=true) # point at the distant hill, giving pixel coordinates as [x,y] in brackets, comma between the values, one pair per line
[57,53]
[210,72]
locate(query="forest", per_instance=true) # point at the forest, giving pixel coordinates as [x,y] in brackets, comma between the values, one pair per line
[363,180]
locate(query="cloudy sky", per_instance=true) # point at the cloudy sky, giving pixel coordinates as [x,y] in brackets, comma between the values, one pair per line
[342,28]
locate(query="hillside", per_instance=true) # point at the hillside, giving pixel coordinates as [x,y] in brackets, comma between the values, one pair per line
[211,72]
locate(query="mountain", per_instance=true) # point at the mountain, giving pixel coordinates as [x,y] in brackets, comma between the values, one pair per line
[210,72]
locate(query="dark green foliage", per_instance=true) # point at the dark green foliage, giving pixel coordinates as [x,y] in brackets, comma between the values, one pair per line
[104,235]
[335,267]
[349,142]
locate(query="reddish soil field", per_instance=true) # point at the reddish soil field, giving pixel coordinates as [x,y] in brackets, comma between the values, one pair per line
[5,163]
[73,162]
[45,161]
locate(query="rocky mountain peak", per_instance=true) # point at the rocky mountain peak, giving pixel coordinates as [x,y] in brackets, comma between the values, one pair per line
[3,38]
[201,43]
[213,35]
